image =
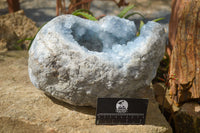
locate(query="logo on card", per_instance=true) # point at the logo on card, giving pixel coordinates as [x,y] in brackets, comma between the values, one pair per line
[122,106]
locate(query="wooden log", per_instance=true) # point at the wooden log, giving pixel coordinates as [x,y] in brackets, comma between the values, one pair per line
[13,5]
[79,4]
[60,7]
[184,38]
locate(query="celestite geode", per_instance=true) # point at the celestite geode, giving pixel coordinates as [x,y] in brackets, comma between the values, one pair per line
[77,60]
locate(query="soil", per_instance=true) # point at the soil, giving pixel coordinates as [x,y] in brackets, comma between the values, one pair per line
[10,69]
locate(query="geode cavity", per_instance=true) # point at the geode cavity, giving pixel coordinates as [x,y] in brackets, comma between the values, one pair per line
[77,60]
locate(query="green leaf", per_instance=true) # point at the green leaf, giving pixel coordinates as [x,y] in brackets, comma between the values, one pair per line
[83,10]
[21,40]
[158,19]
[86,15]
[31,42]
[125,10]
[134,13]
[141,24]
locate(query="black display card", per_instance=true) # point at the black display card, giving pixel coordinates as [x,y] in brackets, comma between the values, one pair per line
[121,111]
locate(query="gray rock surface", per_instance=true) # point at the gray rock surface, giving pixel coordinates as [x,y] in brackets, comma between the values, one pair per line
[77,60]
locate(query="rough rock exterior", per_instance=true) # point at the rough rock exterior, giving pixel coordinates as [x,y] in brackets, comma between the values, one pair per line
[25,109]
[16,26]
[8,38]
[77,60]
[187,120]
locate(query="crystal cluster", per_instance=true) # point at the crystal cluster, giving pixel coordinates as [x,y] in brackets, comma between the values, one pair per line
[77,60]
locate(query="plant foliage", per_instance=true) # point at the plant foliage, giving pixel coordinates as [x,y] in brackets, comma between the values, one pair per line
[158,19]
[134,13]
[142,23]
[84,14]
[125,11]
[83,10]
[22,40]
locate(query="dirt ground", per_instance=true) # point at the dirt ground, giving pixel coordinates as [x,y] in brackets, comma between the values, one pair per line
[10,69]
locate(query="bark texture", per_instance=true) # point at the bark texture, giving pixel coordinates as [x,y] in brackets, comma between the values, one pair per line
[79,4]
[13,5]
[184,37]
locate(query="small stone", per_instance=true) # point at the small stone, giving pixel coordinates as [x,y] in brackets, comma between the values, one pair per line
[16,26]
[77,60]
[8,38]
[187,119]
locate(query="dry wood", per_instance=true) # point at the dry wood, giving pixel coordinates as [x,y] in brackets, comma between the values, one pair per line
[13,5]
[81,4]
[184,37]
